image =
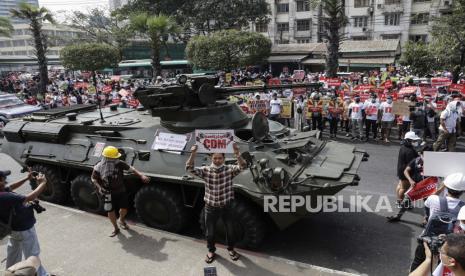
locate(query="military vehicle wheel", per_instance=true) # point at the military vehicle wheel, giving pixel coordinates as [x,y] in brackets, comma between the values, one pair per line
[84,195]
[55,191]
[250,226]
[160,207]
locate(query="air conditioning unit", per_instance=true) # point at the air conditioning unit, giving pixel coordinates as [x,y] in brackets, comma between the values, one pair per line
[370,10]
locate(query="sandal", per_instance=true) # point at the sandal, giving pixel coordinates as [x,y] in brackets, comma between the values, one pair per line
[123,225]
[209,259]
[234,256]
[114,233]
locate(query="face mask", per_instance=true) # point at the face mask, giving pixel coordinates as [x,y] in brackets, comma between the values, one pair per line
[389,101]
[217,167]
[415,143]
[462,225]
[373,100]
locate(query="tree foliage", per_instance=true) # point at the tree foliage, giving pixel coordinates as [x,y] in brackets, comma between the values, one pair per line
[449,39]
[420,57]
[229,49]
[158,29]
[203,16]
[333,21]
[5,27]
[36,17]
[101,27]
[89,57]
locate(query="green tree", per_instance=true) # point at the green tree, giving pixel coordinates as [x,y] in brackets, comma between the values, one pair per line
[333,20]
[98,26]
[36,17]
[229,49]
[420,57]
[204,16]
[449,39]
[89,57]
[158,29]
[5,27]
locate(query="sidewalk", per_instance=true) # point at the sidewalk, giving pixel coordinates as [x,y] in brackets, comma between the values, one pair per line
[77,243]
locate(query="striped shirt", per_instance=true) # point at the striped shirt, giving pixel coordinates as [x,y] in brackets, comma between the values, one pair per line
[218,183]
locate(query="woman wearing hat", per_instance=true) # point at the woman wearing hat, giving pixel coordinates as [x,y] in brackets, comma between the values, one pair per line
[109,178]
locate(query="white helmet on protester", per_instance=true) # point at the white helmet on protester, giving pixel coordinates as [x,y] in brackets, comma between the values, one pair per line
[411,135]
[455,181]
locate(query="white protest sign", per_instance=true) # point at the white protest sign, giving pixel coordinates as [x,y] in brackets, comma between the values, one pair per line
[169,141]
[443,163]
[214,141]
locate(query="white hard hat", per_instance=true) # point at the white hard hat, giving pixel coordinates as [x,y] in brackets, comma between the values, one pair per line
[411,135]
[461,215]
[455,181]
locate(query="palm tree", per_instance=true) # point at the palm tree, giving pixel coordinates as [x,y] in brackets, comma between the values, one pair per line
[37,16]
[5,27]
[158,29]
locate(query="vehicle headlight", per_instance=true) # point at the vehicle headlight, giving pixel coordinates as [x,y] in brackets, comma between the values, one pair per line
[279,179]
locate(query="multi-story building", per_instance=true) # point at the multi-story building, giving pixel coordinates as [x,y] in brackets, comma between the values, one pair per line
[18,51]
[294,21]
[115,4]
[7,5]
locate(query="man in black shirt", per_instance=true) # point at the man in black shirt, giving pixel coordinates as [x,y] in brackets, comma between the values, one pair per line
[23,239]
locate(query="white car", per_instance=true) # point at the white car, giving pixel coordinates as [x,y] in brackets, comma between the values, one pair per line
[12,107]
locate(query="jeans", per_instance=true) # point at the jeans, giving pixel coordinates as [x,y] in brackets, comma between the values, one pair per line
[317,123]
[212,214]
[451,141]
[373,126]
[333,125]
[23,243]
[357,123]
[432,130]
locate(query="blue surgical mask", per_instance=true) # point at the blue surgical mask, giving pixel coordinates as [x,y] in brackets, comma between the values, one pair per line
[462,225]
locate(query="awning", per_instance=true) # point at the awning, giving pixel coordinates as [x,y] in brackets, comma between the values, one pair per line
[148,63]
[355,62]
[287,58]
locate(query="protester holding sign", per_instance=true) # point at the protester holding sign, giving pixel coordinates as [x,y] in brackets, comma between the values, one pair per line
[449,126]
[219,196]
[371,110]
[335,109]
[356,113]
[299,113]
[275,107]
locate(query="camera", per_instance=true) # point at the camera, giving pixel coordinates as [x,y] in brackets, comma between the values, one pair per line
[434,243]
[37,207]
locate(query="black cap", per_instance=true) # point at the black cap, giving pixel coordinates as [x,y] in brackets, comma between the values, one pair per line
[5,173]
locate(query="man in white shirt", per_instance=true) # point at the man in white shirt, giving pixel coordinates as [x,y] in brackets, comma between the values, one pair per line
[371,110]
[275,107]
[387,118]
[356,113]
[449,126]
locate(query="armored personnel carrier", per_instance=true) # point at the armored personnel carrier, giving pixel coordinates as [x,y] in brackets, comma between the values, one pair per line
[66,143]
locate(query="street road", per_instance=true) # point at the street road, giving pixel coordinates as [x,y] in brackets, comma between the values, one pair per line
[362,243]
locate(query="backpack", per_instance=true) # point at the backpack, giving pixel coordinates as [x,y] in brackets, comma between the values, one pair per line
[442,222]
[5,229]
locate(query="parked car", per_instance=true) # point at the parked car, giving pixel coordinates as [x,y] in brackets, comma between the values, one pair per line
[12,107]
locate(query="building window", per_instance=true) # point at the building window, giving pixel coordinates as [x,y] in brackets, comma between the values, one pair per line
[419,19]
[282,41]
[303,40]
[361,3]
[418,38]
[261,27]
[361,21]
[303,25]
[20,53]
[4,44]
[390,36]
[421,1]
[283,27]
[391,2]
[359,38]
[283,8]
[18,32]
[17,43]
[303,5]
[392,19]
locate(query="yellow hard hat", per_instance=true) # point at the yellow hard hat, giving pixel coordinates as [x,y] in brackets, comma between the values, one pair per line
[111,152]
